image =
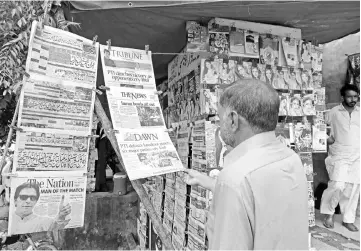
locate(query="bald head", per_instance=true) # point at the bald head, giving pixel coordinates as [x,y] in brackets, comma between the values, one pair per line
[255,101]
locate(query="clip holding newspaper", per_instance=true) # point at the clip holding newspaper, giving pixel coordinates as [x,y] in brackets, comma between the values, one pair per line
[144,144]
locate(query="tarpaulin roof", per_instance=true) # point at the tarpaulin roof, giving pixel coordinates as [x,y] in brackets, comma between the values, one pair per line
[163,27]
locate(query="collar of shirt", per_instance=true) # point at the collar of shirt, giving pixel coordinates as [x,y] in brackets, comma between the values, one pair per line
[342,108]
[26,218]
[249,144]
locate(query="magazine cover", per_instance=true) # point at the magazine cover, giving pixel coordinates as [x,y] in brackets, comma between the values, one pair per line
[197,37]
[316,54]
[270,75]
[307,79]
[284,103]
[303,136]
[210,71]
[290,51]
[293,79]
[237,42]
[295,106]
[319,140]
[209,100]
[307,163]
[283,133]
[320,99]
[305,54]
[280,76]
[251,43]
[227,72]
[262,71]
[317,80]
[243,67]
[219,44]
[269,52]
[308,105]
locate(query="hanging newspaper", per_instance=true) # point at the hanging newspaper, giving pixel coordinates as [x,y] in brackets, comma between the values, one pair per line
[147,152]
[124,67]
[134,108]
[37,151]
[46,204]
[63,55]
[56,105]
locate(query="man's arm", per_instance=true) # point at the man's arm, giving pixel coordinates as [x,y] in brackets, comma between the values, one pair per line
[196,178]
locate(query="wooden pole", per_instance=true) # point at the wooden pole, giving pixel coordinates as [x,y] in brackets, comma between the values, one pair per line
[8,140]
[107,125]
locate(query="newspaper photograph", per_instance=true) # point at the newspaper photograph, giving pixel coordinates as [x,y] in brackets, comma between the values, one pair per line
[125,67]
[37,151]
[46,204]
[55,105]
[148,152]
[134,108]
[62,55]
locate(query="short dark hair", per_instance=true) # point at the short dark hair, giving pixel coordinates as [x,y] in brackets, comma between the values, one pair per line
[33,185]
[254,100]
[348,87]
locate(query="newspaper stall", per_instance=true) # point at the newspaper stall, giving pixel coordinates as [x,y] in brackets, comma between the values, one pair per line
[53,163]
[216,55]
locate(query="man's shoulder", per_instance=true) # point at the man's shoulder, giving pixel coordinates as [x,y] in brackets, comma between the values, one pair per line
[254,163]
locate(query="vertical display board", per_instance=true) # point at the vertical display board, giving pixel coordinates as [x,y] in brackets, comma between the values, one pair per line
[48,186]
[137,118]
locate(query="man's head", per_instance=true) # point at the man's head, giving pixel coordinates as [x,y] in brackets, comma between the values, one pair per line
[25,197]
[247,108]
[350,95]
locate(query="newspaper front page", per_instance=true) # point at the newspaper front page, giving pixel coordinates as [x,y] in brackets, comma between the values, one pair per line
[125,67]
[62,55]
[134,108]
[147,152]
[56,105]
[46,204]
[37,151]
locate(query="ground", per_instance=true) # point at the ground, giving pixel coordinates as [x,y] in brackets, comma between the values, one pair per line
[338,238]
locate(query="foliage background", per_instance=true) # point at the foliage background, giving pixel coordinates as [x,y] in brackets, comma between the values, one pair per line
[16,18]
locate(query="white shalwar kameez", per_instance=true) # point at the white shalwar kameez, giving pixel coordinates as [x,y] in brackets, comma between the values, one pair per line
[343,164]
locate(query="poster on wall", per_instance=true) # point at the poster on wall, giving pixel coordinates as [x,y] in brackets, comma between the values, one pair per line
[37,151]
[125,67]
[147,152]
[134,108]
[62,55]
[46,204]
[56,106]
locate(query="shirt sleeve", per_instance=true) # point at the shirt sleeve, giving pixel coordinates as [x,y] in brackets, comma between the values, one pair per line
[328,117]
[232,228]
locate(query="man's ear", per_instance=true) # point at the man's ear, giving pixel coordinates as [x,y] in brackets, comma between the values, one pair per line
[234,120]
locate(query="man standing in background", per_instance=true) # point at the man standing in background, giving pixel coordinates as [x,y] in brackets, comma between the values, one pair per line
[343,161]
